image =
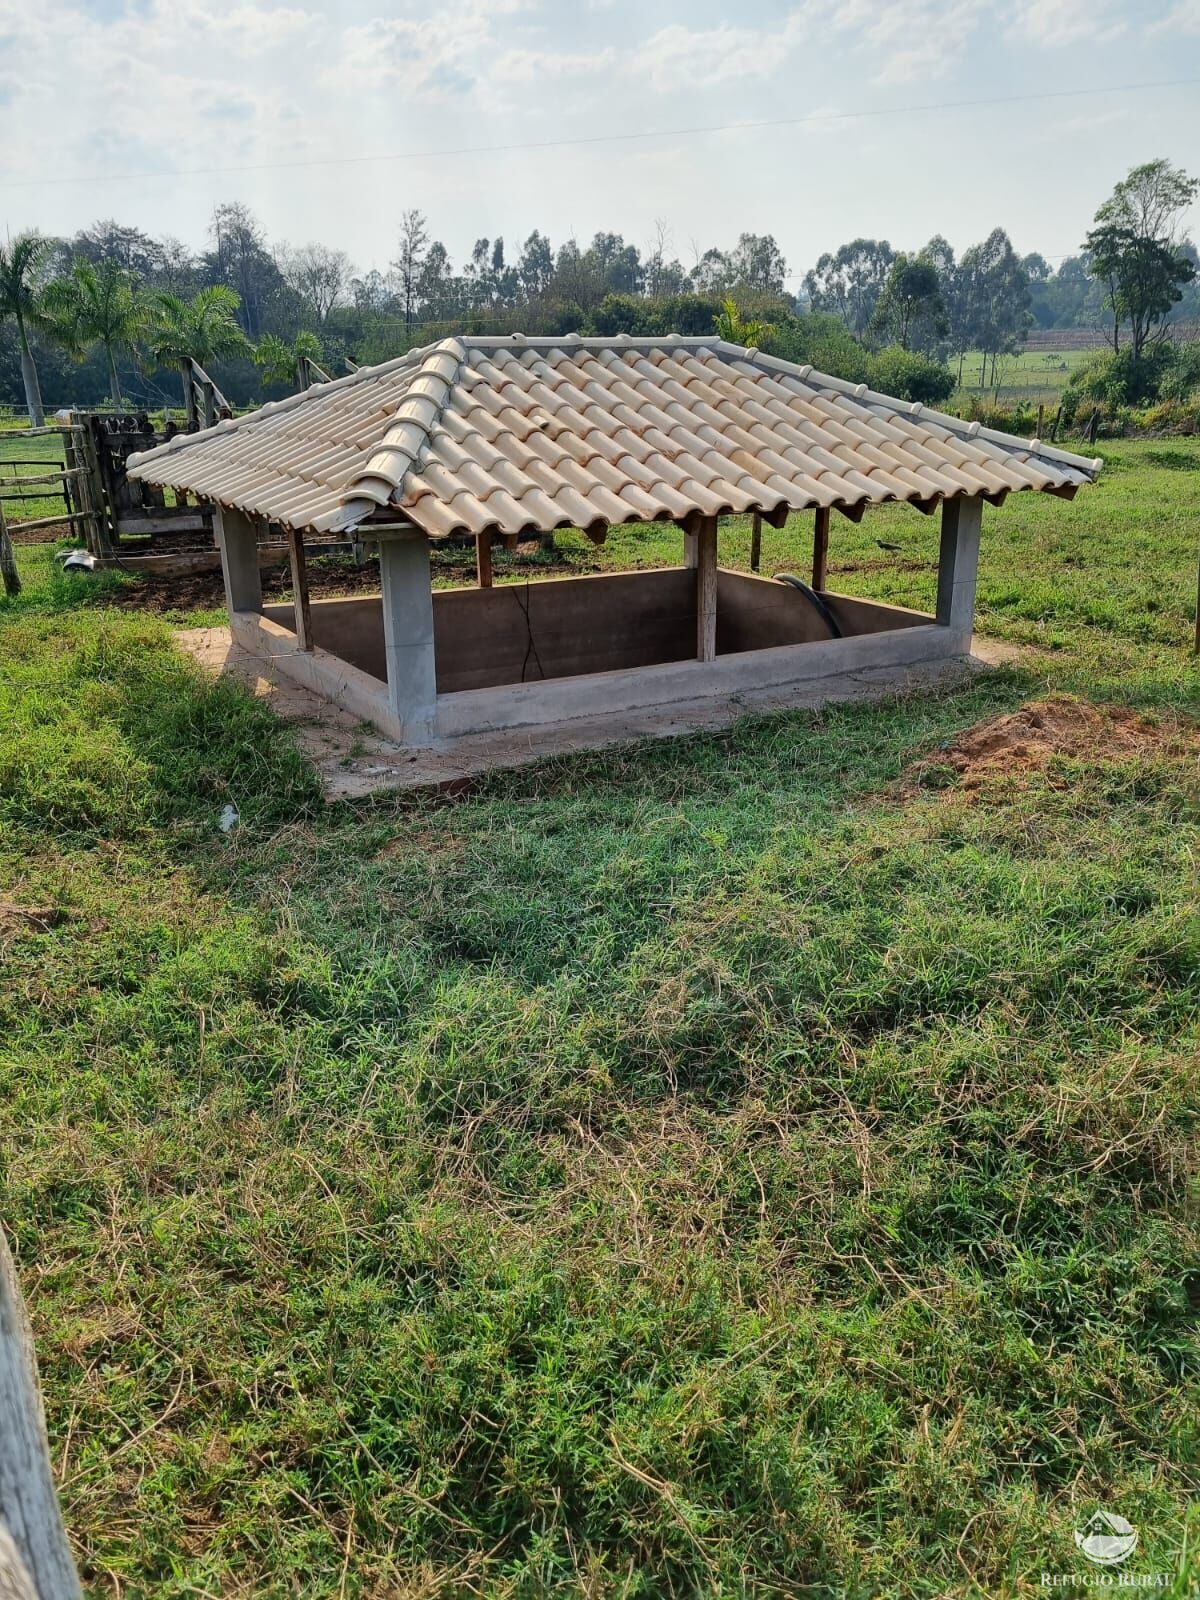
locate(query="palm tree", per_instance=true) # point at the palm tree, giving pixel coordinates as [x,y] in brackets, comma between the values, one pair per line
[97,303]
[202,329]
[21,261]
[280,361]
[731,325]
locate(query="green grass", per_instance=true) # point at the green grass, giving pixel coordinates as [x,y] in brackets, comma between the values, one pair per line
[15,454]
[706,1168]
[1031,377]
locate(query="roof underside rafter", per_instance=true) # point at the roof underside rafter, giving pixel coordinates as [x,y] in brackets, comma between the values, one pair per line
[518,436]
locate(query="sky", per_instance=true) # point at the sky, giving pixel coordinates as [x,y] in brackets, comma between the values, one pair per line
[895,119]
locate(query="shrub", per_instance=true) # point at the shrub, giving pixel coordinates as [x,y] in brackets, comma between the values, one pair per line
[909,376]
[1181,378]
[1019,418]
[625,313]
[1114,378]
[821,341]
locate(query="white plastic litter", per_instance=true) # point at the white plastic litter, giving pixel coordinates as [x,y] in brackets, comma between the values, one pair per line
[228,820]
[76,560]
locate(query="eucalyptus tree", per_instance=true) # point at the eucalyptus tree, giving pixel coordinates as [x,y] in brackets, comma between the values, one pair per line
[22,261]
[414,242]
[910,309]
[1135,253]
[96,303]
[848,282]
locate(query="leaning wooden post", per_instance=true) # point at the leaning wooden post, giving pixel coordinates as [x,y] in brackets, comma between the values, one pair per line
[483,559]
[756,541]
[35,1558]
[8,560]
[300,589]
[820,548]
[706,590]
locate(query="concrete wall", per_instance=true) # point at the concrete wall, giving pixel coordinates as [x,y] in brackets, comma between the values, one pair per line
[756,613]
[568,627]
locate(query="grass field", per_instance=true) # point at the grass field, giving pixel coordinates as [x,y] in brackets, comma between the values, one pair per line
[19,458]
[711,1168]
[1033,377]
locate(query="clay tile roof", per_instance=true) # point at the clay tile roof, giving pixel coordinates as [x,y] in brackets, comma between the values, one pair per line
[521,435]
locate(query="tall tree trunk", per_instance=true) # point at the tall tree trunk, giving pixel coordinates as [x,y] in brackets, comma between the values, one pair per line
[114,383]
[29,377]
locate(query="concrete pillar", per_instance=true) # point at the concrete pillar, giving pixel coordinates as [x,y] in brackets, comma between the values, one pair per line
[958,565]
[237,539]
[408,631]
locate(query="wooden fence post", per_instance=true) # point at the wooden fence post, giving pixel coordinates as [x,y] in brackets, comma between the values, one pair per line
[820,548]
[300,599]
[35,1558]
[8,560]
[756,542]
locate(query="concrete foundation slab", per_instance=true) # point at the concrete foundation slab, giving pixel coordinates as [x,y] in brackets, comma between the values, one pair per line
[354,760]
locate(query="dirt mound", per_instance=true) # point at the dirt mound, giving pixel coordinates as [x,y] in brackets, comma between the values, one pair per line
[16,919]
[1027,739]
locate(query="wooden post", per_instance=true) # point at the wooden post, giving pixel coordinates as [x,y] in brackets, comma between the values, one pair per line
[35,1558]
[1196,648]
[1041,417]
[706,590]
[100,543]
[756,541]
[8,561]
[1054,425]
[191,420]
[299,588]
[820,548]
[483,559]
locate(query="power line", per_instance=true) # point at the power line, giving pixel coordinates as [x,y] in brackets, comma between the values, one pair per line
[606,138]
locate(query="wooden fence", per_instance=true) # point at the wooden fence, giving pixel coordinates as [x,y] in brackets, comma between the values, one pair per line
[35,1558]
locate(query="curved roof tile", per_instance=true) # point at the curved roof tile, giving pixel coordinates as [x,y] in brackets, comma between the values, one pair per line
[513,434]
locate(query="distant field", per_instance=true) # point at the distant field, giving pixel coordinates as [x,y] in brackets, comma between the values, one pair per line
[1033,376]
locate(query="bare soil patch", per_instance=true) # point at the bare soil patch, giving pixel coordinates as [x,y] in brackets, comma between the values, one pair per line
[16,920]
[1027,740]
[50,535]
[327,580]
[205,591]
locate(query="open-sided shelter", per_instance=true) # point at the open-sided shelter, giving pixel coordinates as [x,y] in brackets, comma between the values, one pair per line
[511,436]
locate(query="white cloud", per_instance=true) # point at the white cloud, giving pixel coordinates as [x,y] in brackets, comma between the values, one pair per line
[1183,18]
[678,57]
[1051,23]
[902,41]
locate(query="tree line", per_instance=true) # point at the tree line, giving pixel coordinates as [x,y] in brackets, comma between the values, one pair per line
[113,309]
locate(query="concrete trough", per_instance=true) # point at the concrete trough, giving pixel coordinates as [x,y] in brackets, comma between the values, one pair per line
[546,652]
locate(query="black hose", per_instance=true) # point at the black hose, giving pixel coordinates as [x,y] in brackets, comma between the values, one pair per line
[815,599]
